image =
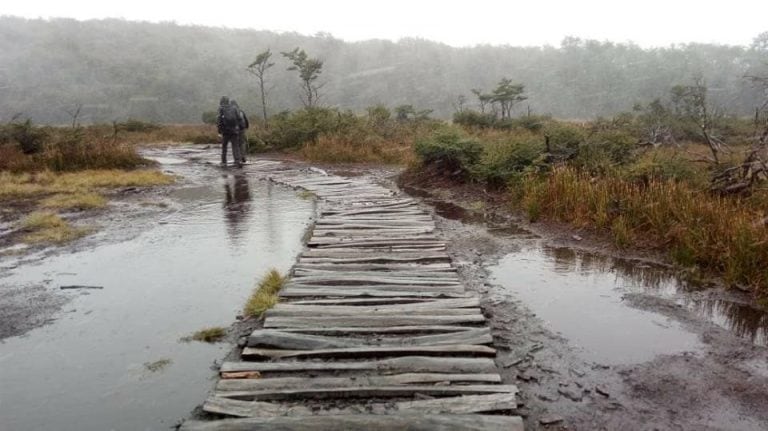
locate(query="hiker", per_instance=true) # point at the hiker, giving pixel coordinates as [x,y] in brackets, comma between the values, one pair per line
[243,124]
[229,129]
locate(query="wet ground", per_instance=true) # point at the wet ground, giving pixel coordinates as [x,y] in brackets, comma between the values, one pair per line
[110,356]
[597,342]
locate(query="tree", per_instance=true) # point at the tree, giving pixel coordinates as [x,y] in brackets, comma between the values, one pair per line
[690,103]
[258,68]
[507,94]
[483,98]
[309,70]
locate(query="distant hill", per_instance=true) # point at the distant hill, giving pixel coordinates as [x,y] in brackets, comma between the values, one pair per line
[170,73]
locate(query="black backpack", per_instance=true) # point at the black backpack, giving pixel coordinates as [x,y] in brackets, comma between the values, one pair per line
[229,119]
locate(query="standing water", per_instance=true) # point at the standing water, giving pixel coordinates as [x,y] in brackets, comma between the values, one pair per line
[113,359]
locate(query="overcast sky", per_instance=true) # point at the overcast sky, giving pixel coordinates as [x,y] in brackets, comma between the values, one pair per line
[529,22]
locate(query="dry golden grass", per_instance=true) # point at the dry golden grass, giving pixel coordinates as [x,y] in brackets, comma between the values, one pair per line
[265,296]
[78,201]
[46,227]
[722,235]
[25,185]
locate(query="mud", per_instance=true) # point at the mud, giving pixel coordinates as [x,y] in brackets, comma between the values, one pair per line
[599,342]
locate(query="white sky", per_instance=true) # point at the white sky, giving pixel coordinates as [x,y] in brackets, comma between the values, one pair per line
[523,22]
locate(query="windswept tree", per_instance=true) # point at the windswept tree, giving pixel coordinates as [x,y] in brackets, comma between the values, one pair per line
[482,98]
[258,69]
[507,94]
[309,69]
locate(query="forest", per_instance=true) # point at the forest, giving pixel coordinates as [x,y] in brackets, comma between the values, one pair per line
[115,70]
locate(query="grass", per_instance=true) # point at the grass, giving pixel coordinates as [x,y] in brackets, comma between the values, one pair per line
[47,227]
[720,235]
[76,201]
[208,335]
[265,295]
[27,185]
[305,194]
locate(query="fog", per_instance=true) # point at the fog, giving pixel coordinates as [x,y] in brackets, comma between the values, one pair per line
[118,69]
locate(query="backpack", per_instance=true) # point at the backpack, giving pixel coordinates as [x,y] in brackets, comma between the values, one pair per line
[229,119]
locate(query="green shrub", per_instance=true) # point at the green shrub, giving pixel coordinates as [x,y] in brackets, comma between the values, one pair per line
[502,160]
[564,139]
[29,138]
[449,151]
[136,126]
[210,117]
[470,118]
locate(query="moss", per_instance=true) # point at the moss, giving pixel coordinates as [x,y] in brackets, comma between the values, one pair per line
[208,335]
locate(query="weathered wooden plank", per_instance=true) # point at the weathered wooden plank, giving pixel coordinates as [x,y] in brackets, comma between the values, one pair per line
[305,273]
[369,392]
[342,254]
[368,422]
[366,321]
[298,341]
[341,382]
[371,351]
[406,364]
[358,301]
[436,304]
[351,292]
[389,289]
[466,404]
[378,267]
[420,329]
[317,311]
[373,280]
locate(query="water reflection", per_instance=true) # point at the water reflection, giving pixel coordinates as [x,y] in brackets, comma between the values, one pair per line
[237,206]
[580,294]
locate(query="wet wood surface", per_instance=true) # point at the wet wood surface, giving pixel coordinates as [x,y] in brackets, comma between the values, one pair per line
[373,331]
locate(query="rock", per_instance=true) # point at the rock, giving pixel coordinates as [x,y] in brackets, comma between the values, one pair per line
[577,373]
[550,419]
[601,390]
[548,397]
[570,394]
[527,376]
[576,237]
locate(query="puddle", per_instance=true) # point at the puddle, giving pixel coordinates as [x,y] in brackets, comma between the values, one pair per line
[579,295]
[193,269]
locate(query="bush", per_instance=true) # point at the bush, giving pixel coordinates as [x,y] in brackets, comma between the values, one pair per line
[470,118]
[504,159]
[26,136]
[450,152]
[210,117]
[136,126]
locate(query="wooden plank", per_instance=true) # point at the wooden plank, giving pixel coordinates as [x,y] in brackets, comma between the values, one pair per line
[466,404]
[436,304]
[340,382]
[251,353]
[349,292]
[297,341]
[382,288]
[368,392]
[317,311]
[373,280]
[319,273]
[367,321]
[368,422]
[405,364]
[378,267]
[358,301]
[421,329]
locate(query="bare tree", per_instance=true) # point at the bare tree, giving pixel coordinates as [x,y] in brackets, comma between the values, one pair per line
[258,69]
[74,113]
[690,102]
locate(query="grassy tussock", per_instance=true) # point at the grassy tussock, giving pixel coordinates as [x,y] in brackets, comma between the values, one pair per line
[208,335]
[717,234]
[76,201]
[265,296]
[340,149]
[46,227]
[27,185]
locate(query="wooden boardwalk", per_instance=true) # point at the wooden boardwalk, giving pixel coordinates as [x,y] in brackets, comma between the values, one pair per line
[374,330]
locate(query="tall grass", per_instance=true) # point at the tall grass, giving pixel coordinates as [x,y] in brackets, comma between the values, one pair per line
[718,234]
[265,295]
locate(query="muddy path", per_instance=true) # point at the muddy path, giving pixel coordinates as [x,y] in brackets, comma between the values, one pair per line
[596,341]
[593,341]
